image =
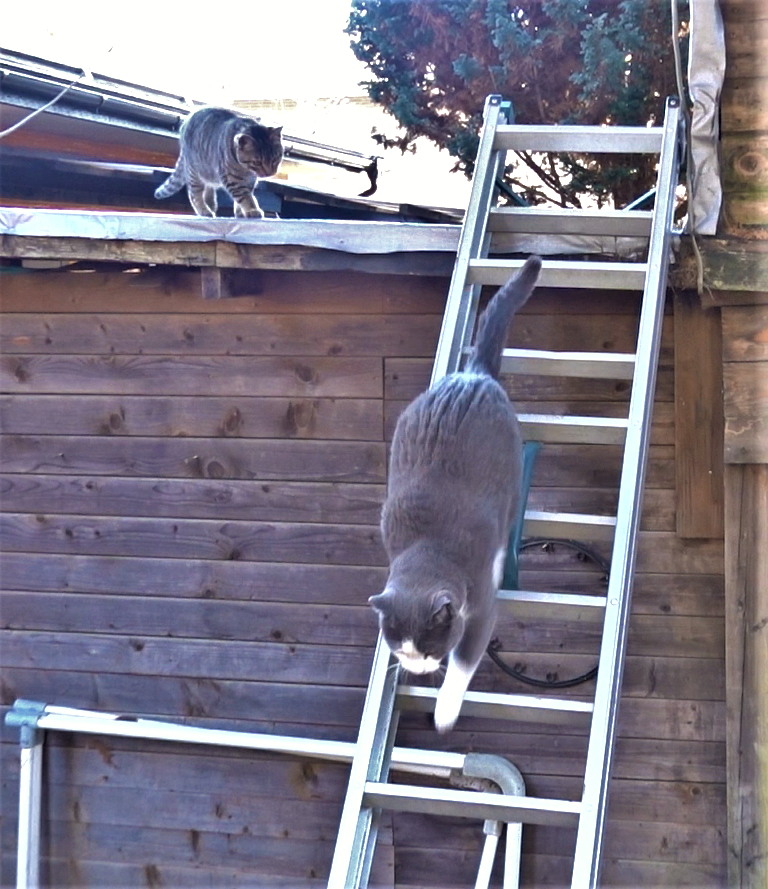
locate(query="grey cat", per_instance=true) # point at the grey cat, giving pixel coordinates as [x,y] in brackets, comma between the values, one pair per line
[220,148]
[454,488]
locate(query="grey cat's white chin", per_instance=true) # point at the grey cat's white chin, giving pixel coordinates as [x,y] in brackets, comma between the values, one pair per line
[417,663]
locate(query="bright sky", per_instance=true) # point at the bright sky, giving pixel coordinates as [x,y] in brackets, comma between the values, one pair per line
[221,51]
[214,52]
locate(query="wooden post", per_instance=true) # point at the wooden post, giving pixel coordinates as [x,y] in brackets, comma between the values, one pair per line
[746,616]
[745,368]
[211,282]
[744,151]
[698,419]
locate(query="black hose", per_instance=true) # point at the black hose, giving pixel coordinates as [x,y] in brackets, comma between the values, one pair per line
[585,553]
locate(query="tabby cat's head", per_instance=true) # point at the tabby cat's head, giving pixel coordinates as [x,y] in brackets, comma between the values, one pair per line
[421,626]
[260,148]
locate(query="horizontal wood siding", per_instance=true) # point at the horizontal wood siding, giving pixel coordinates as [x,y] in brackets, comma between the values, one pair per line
[190,497]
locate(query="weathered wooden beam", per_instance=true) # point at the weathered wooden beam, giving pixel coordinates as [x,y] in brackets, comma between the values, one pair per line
[226,255]
[698,418]
[156,252]
[735,270]
[734,298]
[300,258]
[746,663]
[213,284]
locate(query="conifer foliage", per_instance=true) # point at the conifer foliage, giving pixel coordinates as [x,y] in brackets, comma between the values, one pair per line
[433,62]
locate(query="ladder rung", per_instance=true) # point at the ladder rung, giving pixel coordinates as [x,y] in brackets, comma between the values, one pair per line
[568,525]
[563,273]
[586,139]
[471,804]
[573,429]
[557,606]
[527,708]
[594,365]
[549,221]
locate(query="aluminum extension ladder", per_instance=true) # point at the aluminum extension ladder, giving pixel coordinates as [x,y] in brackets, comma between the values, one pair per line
[368,791]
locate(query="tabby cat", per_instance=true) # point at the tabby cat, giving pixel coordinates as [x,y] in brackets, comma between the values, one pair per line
[220,148]
[454,489]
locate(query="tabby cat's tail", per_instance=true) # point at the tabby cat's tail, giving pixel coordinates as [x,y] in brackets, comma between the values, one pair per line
[495,320]
[175,182]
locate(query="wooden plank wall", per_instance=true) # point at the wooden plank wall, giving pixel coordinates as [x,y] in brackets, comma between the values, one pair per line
[190,493]
[745,373]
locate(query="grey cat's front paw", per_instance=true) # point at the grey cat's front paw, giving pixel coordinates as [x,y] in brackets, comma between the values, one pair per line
[447,708]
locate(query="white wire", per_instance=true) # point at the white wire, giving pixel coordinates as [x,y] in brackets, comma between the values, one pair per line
[681,90]
[54,100]
[684,104]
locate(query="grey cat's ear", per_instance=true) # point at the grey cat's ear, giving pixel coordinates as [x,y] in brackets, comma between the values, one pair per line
[442,608]
[380,602]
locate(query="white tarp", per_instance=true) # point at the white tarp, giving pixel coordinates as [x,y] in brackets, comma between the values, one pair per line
[706,71]
[347,237]
[350,237]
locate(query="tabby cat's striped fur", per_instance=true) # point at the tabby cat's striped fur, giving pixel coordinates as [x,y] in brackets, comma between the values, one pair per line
[220,148]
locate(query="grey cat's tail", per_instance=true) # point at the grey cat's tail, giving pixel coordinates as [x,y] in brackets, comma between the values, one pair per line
[495,320]
[175,182]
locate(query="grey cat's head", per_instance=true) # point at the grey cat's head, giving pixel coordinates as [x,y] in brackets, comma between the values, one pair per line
[421,615]
[260,149]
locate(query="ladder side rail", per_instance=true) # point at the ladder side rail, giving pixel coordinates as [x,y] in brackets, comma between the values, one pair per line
[352,856]
[462,343]
[384,746]
[353,853]
[589,843]
[30,803]
[462,297]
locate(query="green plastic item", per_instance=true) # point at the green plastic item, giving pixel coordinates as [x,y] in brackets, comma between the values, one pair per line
[510,578]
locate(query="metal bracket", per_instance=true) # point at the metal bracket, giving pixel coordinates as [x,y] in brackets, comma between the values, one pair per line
[508,110]
[26,716]
[486,771]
